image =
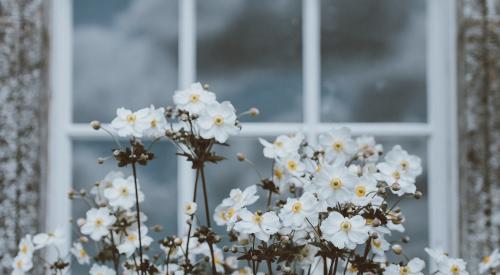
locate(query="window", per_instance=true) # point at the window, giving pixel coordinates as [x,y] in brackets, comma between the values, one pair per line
[308,65]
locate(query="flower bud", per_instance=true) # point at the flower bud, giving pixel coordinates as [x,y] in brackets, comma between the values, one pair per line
[405,239]
[395,187]
[80,221]
[157,228]
[418,195]
[240,157]
[397,249]
[100,160]
[96,125]
[206,86]
[177,241]
[254,112]
[84,239]
[376,222]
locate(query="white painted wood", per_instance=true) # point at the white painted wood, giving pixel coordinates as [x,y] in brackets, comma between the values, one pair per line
[442,160]
[83,131]
[59,174]
[187,75]
[311,32]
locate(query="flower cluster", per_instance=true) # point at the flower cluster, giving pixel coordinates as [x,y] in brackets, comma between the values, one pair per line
[327,207]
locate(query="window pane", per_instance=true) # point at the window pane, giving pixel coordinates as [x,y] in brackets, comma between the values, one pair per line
[373,61]
[158,182]
[249,52]
[125,54]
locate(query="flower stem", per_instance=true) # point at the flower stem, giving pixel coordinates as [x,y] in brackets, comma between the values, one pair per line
[192,216]
[138,212]
[207,212]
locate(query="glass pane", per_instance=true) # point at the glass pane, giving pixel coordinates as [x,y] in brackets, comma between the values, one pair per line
[373,61]
[158,182]
[249,52]
[125,54]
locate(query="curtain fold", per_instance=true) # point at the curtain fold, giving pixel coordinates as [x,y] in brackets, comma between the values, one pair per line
[479,127]
[23,121]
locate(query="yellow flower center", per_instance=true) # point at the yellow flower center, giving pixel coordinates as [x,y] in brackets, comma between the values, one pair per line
[131,118]
[230,213]
[194,98]
[360,190]
[345,226]
[278,144]
[296,207]
[24,249]
[154,123]
[242,271]
[218,120]
[336,183]
[132,237]
[404,270]
[338,146]
[376,243]
[257,219]
[396,175]
[124,191]
[82,253]
[98,222]
[404,165]
[292,165]
[19,264]
[368,221]
[278,174]
[486,259]
[455,269]
[352,269]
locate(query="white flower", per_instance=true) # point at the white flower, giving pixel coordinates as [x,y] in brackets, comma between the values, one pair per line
[334,184]
[368,149]
[414,267]
[101,270]
[283,146]
[26,247]
[131,241]
[193,99]
[344,232]
[438,255]
[54,237]
[156,122]
[218,257]
[391,173]
[351,269]
[80,253]
[280,176]
[122,193]
[489,262]
[171,269]
[218,121]
[190,208]
[128,123]
[239,199]
[107,182]
[225,215]
[295,212]
[409,164]
[97,223]
[338,144]
[21,264]
[365,190]
[379,246]
[307,255]
[293,165]
[262,225]
[452,266]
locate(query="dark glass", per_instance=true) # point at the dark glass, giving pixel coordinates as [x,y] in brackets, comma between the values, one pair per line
[250,53]
[373,61]
[124,55]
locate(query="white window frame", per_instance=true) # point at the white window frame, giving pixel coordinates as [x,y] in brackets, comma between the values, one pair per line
[440,129]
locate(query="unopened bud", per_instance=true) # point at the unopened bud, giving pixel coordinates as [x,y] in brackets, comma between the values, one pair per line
[397,249]
[80,221]
[418,195]
[395,187]
[100,160]
[84,239]
[405,239]
[206,86]
[240,157]
[254,112]
[96,125]
[157,228]
[178,241]
[225,249]
[376,222]
[284,238]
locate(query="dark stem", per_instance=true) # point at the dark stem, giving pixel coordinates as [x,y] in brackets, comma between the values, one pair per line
[192,216]
[138,213]
[116,260]
[331,267]
[367,249]
[325,267]
[270,267]
[269,198]
[207,212]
